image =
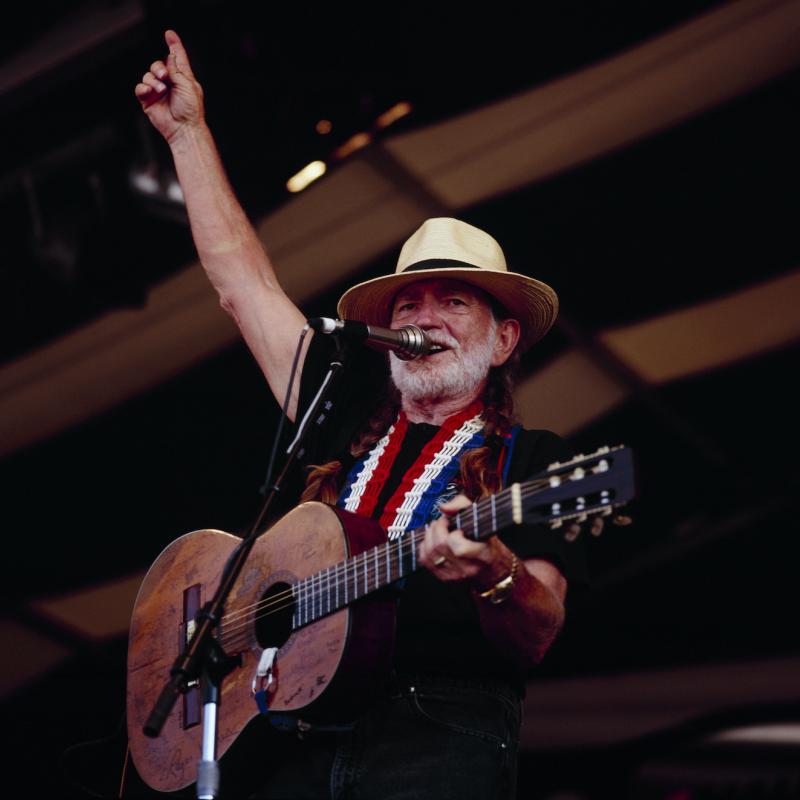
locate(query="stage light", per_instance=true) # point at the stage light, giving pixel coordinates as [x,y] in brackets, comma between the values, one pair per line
[174,191]
[145,181]
[306,176]
[355,142]
[396,112]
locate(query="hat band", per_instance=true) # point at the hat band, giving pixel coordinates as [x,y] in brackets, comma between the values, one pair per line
[439,263]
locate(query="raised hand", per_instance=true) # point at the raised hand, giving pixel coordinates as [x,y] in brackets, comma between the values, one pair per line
[169,93]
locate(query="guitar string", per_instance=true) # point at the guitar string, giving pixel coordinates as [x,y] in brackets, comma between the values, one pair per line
[341,568]
[319,595]
[366,571]
[483,517]
[239,637]
[316,595]
[326,582]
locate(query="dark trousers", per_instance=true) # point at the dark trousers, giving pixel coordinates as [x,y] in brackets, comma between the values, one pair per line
[427,737]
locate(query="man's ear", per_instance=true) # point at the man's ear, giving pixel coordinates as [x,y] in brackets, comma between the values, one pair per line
[508,333]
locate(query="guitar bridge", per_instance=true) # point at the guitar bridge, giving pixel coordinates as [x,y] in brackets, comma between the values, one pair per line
[191,697]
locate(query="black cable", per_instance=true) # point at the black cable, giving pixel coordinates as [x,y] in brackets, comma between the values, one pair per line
[284,415]
[64,770]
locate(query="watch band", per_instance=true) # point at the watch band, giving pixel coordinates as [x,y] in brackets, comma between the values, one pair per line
[500,592]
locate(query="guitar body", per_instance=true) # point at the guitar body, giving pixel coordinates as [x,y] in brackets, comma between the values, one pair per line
[314,588]
[322,670]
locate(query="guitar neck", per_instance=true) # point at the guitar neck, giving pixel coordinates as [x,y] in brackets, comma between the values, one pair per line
[592,484]
[341,584]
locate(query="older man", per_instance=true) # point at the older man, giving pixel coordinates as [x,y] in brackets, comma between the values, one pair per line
[405,453]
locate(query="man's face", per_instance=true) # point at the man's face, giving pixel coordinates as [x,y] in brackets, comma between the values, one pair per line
[457,317]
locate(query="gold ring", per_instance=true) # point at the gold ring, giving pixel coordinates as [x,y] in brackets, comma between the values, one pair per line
[439,561]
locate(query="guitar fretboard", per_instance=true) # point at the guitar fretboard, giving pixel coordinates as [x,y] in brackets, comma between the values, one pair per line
[341,584]
[585,485]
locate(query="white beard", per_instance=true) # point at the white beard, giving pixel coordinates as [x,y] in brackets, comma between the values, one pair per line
[450,374]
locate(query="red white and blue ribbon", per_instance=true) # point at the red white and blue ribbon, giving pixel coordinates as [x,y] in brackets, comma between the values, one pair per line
[411,504]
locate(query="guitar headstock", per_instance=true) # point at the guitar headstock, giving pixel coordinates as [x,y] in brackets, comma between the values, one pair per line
[569,493]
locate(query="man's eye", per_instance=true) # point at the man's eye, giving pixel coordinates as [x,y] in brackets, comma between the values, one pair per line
[405,307]
[456,301]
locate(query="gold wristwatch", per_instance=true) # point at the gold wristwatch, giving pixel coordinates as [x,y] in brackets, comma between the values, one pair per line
[500,592]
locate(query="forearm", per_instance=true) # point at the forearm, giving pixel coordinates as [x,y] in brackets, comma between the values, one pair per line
[228,246]
[526,623]
[235,260]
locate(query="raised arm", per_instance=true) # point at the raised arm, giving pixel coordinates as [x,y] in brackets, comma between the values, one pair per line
[229,249]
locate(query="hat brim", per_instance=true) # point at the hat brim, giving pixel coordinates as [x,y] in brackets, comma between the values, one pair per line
[531,302]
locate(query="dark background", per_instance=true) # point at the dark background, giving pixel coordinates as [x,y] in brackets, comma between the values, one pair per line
[705,575]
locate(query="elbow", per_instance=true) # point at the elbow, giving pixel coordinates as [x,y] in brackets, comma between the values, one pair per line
[548,627]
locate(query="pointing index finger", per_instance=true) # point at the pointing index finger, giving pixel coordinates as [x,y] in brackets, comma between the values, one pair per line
[178,52]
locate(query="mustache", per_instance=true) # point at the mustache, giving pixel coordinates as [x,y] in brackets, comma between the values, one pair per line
[442,339]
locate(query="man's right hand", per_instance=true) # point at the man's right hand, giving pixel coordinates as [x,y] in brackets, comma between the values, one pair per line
[169,93]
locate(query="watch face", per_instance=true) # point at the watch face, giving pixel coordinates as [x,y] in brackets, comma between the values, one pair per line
[500,593]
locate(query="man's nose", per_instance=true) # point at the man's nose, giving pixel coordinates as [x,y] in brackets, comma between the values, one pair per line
[428,315]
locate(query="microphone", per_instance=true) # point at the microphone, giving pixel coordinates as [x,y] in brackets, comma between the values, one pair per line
[407,343]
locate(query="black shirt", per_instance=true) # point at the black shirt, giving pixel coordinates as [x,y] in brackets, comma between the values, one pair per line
[438,628]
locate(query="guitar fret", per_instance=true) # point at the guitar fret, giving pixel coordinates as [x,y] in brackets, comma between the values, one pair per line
[475,521]
[388,565]
[400,556]
[366,585]
[300,602]
[494,515]
[345,582]
[413,550]
[336,601]
[328,588]
[375,550]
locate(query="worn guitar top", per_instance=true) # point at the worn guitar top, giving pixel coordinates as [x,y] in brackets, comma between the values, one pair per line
[438,629]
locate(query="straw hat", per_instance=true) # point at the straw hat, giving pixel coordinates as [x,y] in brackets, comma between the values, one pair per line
[449,248]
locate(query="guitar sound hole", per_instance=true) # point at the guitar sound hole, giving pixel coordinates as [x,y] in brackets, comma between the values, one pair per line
[274,623]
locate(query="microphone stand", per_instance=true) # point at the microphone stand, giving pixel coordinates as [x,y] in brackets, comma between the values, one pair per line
[204,657]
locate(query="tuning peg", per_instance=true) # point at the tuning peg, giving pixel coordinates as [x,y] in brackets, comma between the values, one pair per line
[572,532]
[621,520]
[597,526]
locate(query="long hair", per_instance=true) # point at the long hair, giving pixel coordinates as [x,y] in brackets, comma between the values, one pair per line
[478,476]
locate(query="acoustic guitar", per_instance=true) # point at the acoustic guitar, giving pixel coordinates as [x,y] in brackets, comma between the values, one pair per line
[312,590]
